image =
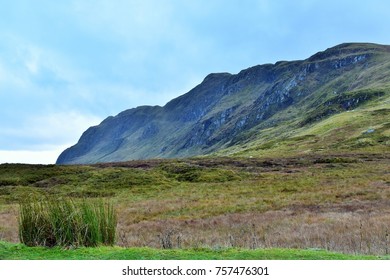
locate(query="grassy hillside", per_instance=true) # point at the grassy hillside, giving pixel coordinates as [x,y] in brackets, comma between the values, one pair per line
[327,128]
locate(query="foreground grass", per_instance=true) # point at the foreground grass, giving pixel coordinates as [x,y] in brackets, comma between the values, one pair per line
[64,222]
[11,251]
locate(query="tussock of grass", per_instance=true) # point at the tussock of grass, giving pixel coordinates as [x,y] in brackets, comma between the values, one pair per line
[66,223]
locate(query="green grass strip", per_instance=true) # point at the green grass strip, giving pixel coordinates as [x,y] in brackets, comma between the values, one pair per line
[10,251]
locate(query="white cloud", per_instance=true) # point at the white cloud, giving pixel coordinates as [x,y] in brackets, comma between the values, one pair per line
[62,126]
[41,139]
[32,157]
[137,19]
[27,69]
[47,130]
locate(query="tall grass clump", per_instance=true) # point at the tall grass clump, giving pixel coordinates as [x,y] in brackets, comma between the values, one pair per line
[66,222]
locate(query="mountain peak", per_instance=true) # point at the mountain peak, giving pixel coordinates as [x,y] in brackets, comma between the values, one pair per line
[347,49]
[214,76]
[227,110]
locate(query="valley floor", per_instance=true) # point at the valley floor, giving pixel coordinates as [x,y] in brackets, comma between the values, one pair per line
[338,202]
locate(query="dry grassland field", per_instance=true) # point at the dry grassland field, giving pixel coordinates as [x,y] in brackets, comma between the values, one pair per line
[338,202]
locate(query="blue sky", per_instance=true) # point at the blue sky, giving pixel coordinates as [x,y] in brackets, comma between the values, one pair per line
[67,65]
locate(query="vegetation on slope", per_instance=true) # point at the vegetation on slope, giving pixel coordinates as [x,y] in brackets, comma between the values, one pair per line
[365,129]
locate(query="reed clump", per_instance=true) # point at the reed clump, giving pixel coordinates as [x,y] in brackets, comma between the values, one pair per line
[67,223]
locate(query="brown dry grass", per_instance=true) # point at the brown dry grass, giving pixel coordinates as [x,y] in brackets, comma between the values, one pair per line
[335,202]
[9,224]
[358,229]
[335,230]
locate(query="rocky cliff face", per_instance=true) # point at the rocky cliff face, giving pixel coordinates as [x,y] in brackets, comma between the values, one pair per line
[221,110]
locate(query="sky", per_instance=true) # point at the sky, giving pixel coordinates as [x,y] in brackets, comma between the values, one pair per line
[66,65]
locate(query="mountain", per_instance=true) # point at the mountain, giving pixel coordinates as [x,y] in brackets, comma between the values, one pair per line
[336,100]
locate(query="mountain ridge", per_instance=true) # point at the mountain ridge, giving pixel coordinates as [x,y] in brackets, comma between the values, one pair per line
[225,109]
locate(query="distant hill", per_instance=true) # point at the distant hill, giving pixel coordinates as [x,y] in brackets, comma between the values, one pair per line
[336,100]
